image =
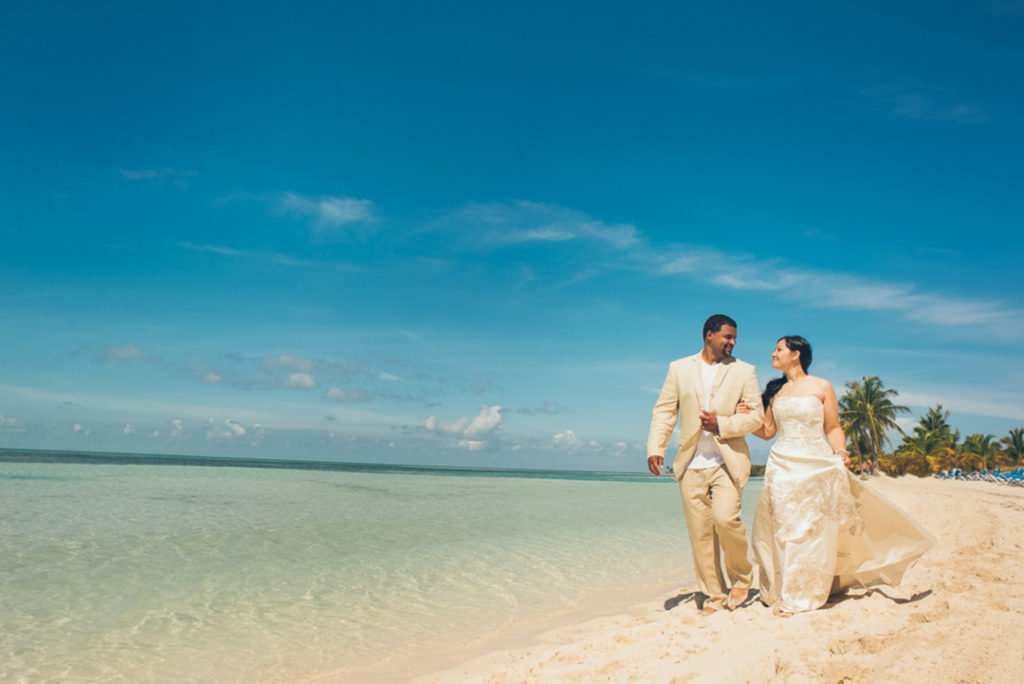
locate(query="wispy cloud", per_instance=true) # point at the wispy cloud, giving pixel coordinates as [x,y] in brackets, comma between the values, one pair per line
[504,224]
[328,214]
[834,289]
[623,247]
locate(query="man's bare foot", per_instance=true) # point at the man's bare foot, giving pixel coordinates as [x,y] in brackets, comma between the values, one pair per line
[706,610]
[737,597]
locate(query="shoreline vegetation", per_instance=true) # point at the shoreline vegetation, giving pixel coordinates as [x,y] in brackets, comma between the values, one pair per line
[868,413]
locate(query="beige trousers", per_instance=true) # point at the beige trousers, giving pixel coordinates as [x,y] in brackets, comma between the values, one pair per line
[711,503]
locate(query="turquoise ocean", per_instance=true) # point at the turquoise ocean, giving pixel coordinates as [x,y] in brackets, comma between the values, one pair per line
[119,568]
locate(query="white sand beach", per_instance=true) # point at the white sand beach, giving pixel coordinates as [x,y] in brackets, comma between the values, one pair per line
[957,617]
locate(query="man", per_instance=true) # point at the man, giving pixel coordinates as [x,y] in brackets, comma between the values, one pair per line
[713,461]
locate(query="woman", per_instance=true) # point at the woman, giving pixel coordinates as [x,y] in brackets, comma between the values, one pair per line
[817,528]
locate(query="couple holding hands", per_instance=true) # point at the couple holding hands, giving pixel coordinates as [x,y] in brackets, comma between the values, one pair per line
[817,529]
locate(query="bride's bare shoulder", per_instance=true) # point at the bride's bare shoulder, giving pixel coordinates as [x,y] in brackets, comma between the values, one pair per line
[822,387]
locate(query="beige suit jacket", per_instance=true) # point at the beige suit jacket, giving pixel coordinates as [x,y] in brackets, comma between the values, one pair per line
[682,399]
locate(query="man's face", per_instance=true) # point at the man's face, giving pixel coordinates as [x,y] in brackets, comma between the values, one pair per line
[721,343]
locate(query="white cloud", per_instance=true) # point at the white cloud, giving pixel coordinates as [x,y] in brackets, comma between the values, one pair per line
[486,421]
[129,429]
[328,212]
[474,433]
[231,431]
[300,381]
[177,429]
[226,431]
[568,440]
[80,430]
[455,428]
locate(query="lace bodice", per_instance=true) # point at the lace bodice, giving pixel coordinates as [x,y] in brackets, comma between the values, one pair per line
[801,422]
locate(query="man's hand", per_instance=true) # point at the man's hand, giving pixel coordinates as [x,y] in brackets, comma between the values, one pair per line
[709,422]
[655,464]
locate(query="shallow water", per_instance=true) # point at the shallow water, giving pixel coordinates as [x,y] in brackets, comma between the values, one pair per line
[143,572]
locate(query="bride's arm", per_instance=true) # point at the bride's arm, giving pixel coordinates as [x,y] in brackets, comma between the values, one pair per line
[833,431]
[767,429]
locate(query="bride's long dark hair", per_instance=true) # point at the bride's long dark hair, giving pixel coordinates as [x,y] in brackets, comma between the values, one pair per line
[793,343]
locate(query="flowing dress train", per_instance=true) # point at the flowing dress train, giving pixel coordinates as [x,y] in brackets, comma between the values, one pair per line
[817,528]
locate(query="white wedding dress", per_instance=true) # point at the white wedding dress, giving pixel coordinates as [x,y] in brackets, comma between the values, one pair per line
[817,528]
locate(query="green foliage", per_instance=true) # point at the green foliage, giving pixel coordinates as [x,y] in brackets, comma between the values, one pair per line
[867,412]
[1013,445]
[934,446]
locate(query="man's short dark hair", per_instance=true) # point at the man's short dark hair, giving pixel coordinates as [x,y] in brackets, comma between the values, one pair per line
[715,323]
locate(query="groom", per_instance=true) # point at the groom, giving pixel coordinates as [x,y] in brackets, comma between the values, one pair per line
[713,461]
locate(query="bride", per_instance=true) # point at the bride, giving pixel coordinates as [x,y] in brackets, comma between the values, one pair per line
[817,528]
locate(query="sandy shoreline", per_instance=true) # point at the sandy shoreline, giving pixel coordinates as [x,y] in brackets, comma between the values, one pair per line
[956,617]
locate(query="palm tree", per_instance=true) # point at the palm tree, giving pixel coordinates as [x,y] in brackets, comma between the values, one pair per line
[1013,444]
[935,421]
[982,447]
[867,408]
[932,447]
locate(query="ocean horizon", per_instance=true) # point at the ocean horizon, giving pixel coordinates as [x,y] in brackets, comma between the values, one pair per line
[131,567]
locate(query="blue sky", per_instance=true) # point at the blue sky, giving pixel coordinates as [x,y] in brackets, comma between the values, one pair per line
[459,233]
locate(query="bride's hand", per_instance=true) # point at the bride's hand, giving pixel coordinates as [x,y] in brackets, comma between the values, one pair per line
[743,407]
